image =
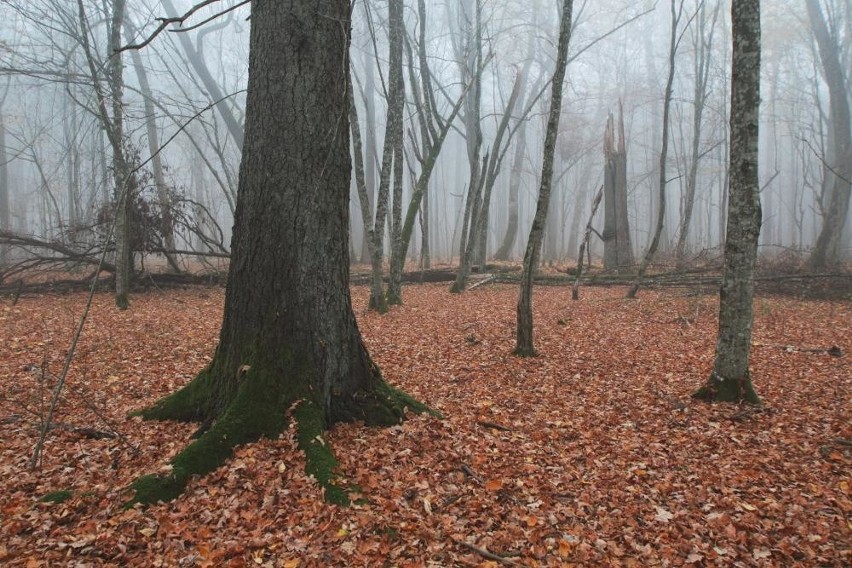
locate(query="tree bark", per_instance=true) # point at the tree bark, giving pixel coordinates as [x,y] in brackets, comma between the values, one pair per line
[730,379]
[396,30]
[525,346]
[289,339]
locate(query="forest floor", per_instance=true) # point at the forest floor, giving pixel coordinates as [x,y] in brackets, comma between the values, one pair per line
[592,453]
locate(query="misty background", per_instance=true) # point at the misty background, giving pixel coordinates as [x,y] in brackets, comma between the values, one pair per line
[183,102]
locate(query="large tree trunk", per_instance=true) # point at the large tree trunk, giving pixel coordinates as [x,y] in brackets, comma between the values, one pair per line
[289,337]
[835,202]
[730,379]
[525,346]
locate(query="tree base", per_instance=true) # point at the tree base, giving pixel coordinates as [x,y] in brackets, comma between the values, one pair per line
[731,390]
[259,409]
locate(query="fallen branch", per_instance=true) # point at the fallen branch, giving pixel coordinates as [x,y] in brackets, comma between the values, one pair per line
[484,553]
[493,425]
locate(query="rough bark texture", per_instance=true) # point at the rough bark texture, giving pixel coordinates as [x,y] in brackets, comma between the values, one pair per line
[289,339]
[525,346]
[730,379]
[835,202]
[618,249]
[396,31]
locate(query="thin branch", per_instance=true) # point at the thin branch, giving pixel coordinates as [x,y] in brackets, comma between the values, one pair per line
[164,23]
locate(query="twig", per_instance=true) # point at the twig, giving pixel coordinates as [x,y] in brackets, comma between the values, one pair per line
[484,553]
[486,424]
[469,472]
[490,278]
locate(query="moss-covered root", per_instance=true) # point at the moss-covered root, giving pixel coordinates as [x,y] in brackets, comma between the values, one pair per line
[256,411]
[738,390]
[382,406]
[320,461]
[192,403]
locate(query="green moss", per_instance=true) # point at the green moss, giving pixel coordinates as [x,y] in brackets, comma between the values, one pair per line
[192,403]
[379,304]
[256,411]
[320,461]
[57,496]
[393,299]
[149,489]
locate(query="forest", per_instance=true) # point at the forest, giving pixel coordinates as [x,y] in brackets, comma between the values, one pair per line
[425,283]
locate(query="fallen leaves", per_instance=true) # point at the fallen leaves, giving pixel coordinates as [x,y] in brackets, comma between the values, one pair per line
[590,454]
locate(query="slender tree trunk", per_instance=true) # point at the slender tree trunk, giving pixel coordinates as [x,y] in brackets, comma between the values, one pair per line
[164,199]
[5,213]
[525,342]
[123,184]
[396,24]
[664,152]
[372,152]
[289,343]
[470,61]
[730,379]
[505,250]
[703,45]
[835,205]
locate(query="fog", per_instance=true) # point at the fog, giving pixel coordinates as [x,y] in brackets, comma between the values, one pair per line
[184,93]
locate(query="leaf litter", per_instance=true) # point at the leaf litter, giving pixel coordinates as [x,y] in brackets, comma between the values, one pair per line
[591,453]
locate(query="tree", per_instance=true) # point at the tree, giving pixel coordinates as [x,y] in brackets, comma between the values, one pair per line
[838,177]
[525,346]
[618,249]
[730,379]
[289,341]
[674,40]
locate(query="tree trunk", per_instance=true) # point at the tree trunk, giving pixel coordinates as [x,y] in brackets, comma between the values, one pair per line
[163,197]
[618,248]
[835,203]
[289,339]
[664,152]
[121,169]
[396,30]
[5,213]
[525,345]
[505,250]
[730,379]
[372,153]
[703,46]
